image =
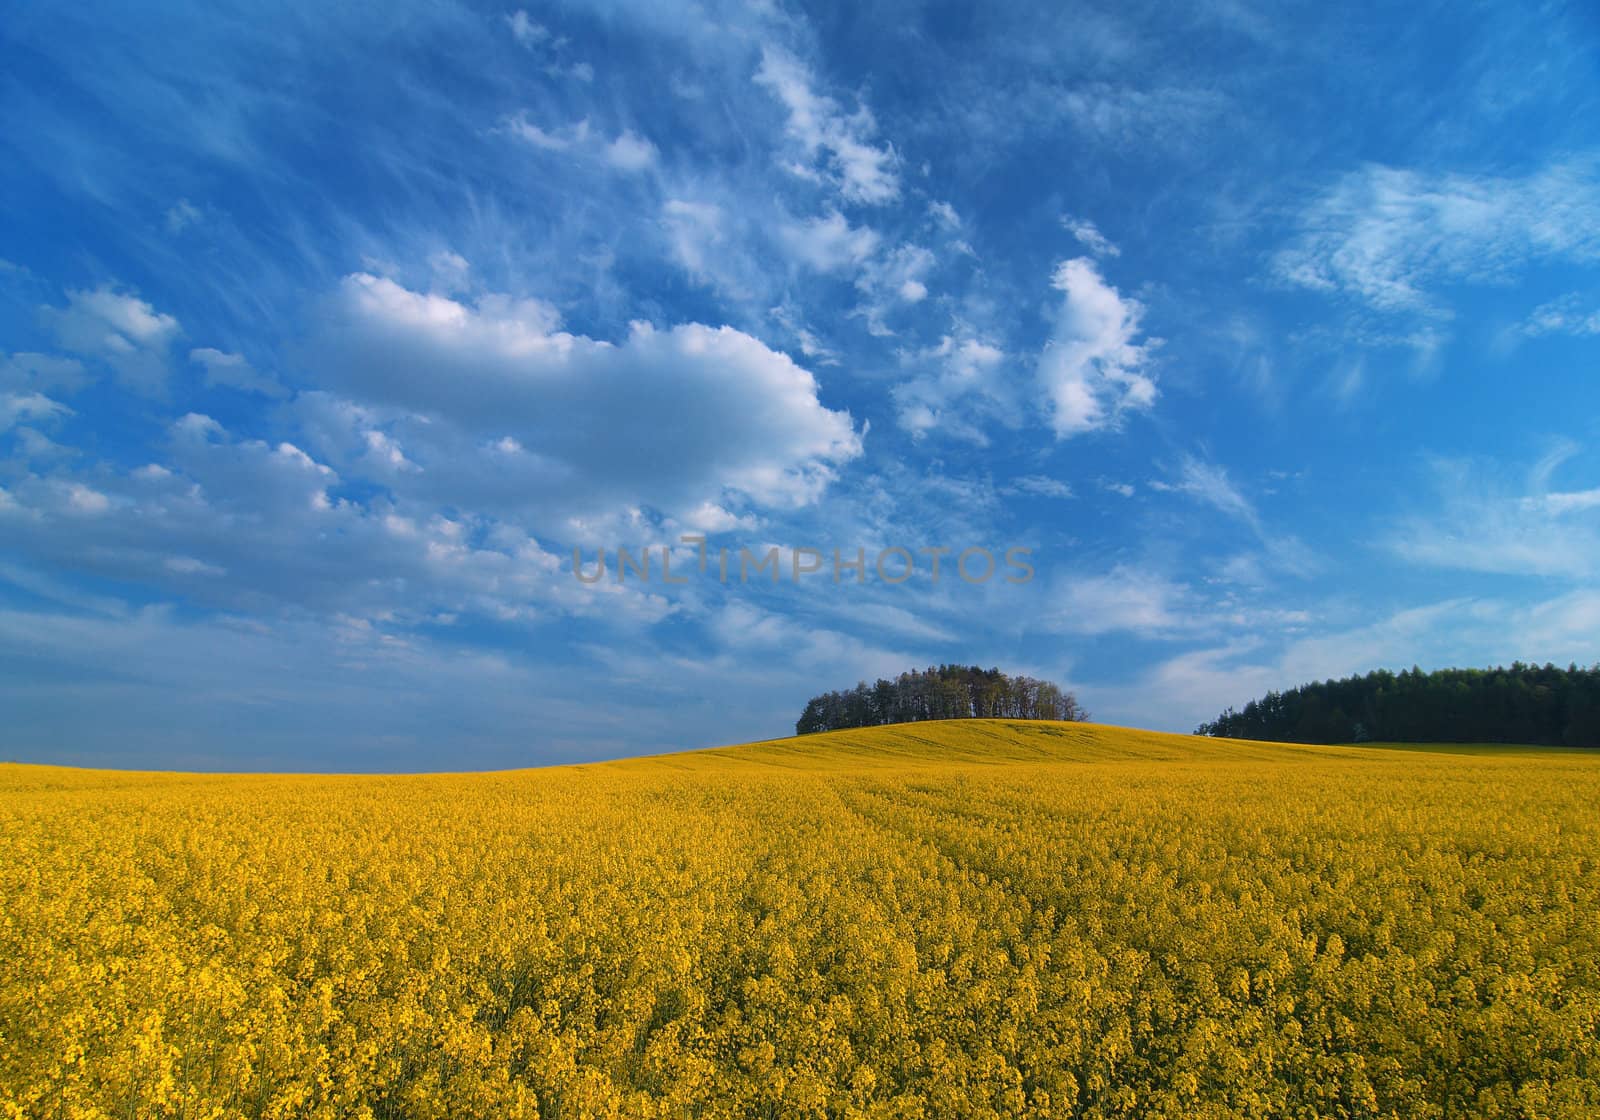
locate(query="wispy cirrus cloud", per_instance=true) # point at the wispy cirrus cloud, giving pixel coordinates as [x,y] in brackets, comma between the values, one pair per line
[1572,314]
[1089,236]
[1486,519]
[626,151]
[1389,237]
[835,144]
[828,243]
[1210,484]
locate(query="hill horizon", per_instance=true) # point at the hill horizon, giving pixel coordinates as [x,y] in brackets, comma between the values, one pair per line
[934,741]
[962,917]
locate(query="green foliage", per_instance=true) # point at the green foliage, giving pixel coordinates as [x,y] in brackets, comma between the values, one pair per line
[1523,704]
[941,692]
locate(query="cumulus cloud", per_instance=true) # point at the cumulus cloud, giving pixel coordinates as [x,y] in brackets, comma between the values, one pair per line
[665,418]
[17,408]
[45,373]
[1385,236]
[1093,371]
[26,384]
[860,170]
[248,524]
[122,330]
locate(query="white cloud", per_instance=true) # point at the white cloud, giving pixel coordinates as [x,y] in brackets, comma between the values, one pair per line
[525,31]
[234,372]
[629,152]
[557,141]
[1127,115]
[1092,370]
[47,373]
[1570,502]
[727,240]
[1123,600]
[1041,485]
[1570,314]
[626,151]
[861,171]
[1209,483]
[1484,523]
[1090,237]
[181,215]
[122,330]
[18,408]
[698,240]
[899,276]
[450,270]
[810,344]
[958,386]
[250,525]
[666,418]
[945,215]
[708,517]
[81,499]
[828,244]
[1385,235]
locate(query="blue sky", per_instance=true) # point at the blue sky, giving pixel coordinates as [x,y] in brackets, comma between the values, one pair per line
[328,332]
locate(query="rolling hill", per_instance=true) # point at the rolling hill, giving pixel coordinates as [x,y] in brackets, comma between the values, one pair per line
[968,918]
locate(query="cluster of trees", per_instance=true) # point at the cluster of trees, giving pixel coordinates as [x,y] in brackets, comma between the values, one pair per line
[1522,704]
[942,692]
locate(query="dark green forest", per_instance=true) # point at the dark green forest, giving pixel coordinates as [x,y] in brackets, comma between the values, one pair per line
[942,692]
[1521,704]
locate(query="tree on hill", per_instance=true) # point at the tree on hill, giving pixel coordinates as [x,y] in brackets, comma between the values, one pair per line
[939,692]
[1544,706]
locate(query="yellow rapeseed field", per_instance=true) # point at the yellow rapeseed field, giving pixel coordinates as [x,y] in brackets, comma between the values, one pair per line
[973,919]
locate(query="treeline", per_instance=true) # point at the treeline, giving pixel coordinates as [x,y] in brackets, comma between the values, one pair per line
[942,692]
[1522,704]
